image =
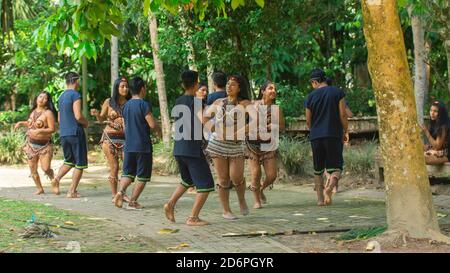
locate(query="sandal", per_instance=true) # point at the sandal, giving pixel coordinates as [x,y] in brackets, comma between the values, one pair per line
[195,221]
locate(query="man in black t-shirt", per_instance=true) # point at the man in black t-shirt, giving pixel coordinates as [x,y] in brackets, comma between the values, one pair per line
[327,120]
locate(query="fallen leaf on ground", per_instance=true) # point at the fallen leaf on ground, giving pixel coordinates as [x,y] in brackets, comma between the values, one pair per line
[69,223]
[322,219]
[298,214]
[178,247]
[441,215]
[167,231]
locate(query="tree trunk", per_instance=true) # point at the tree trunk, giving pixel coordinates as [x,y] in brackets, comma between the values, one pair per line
[409,203]
[420,65]
[447,50]
[160,83]
[188,42]
[84,75]
[209,68]
[114,61]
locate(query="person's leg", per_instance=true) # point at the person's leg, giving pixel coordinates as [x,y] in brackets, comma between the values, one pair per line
[194,220]
[128,176]
[255,171]
[270,171]
[125,182]
[334,165]
[69,163]
[237,176]
[180,190]
[143,175]
[319,168]
[79,146]
[33,164]
[46,160]
[113,164]
[224,184]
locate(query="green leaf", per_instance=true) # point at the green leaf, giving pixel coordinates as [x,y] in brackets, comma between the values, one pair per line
[146,7]
[260,3]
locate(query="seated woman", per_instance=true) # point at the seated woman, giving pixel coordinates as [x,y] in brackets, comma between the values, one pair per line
[436,152]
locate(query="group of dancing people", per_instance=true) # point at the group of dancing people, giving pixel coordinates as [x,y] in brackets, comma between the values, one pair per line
[129,122]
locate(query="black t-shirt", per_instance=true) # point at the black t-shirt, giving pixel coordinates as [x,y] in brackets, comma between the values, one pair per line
[137,131]
[324,106]
[192,146]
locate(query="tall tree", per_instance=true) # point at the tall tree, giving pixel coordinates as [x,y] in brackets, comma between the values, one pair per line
[160,82]
[114,60]
[420,62]
[409,202]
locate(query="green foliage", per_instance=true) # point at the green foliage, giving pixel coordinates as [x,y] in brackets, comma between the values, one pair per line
[295,154]
[11,117]
[361,101]
[11,144]
[361,234]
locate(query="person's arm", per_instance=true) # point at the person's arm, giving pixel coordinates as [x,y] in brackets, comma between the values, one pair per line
[101,117]
[344,120]
[151,121]
[210,112]
[308,118]
[348,112]
[78,114]
[438,143]
[21,124]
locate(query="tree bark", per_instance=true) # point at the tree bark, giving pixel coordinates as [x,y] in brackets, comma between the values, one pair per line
[409,203]
[160,83]
[420,63]
[209,68]
[188,42]
[447,50]
[114,61]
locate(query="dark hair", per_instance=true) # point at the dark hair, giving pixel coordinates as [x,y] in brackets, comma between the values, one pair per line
[263,87]
[201,84]
[136,85]
[439,126]
[319,75]
[72,77]
[189,78]
[220,79]
[114,101]
[243,86]
[50,106]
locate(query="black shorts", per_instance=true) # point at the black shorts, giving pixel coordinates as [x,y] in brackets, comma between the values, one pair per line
[327,155]
[137,165]
[195,171]
[75,150]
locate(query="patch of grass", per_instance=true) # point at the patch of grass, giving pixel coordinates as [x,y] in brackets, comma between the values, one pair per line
[163,159]
[11,148]
[295,154]
[361,234]
[92,235]
[360,159]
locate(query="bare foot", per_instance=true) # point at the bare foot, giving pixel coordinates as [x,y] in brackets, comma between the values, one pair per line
[170,215]
[133,205]
[195,221]
[126,198]
[39,192]
[263,198]
[320,203]
[244,210]
[118,200]
[229,216]
[55,186]
[327,196]
[257,206]
[74,194]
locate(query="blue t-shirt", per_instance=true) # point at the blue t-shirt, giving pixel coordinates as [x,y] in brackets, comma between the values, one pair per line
[137,131]
[188,147]
[68,125]
[212,97]
[324,106]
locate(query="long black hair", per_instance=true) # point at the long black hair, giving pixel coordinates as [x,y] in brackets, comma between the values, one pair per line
[441,125]
[50,106]
[114,101]
[319,75]
[243,86]
[263,88]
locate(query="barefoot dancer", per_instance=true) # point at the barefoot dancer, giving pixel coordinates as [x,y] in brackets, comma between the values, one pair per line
[436,152]
[73,138]
[38,146]
[327,120]
[113,138]
[137,163]
[188,152]
[257,157]
[228,153]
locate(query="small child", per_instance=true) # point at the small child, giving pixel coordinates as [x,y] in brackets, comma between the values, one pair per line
[194,168]
[138,160]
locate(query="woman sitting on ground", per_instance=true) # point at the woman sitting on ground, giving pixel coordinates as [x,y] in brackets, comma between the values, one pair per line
[436,152]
